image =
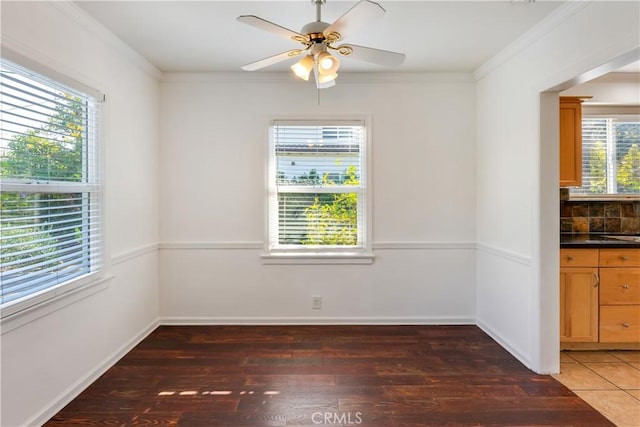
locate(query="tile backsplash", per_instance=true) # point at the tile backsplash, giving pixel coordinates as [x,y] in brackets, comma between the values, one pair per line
[600,217]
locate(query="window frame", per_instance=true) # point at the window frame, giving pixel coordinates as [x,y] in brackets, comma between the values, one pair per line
[616,112]
[30,306]
[275,253]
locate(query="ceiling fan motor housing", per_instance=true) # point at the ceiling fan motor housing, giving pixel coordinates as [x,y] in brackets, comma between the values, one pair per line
[315,31]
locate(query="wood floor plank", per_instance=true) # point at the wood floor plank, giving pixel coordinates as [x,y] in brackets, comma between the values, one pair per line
[375,376]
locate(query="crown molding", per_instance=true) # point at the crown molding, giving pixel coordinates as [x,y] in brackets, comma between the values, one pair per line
[552,21]
[102,33]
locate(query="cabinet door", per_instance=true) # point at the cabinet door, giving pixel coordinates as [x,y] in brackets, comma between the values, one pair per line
[579,304]
[570,142]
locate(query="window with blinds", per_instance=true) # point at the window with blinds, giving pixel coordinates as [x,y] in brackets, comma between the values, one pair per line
[317,185]
[50,212]
[610,156]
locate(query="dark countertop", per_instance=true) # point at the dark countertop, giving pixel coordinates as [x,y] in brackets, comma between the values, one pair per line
[568,240]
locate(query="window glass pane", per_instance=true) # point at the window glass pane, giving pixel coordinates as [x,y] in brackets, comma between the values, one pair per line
[50,200]
[610,157]
[318,219]
[628,157]
[317,186]
[44,241]
[43,130]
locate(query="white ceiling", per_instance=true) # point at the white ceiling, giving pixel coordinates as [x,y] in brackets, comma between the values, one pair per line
[204,36]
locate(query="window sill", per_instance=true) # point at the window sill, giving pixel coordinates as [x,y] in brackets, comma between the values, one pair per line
[604,198]
[14,317]
[318,258]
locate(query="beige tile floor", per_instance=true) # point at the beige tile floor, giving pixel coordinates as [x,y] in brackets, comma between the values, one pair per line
[607,380]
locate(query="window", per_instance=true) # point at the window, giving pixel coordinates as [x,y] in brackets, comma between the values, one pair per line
[317,188]
[50,210]
[610,155]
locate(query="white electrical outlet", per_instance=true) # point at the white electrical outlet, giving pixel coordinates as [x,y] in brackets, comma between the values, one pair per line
[317,302]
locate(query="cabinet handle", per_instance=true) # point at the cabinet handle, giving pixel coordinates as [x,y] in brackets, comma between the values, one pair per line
[626,325]
[595,276]
[624,257]
[625,286]
[569,258]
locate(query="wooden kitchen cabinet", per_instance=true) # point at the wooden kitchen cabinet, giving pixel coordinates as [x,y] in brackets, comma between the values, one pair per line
[579,295]
[599,298]
[570,141]
[619,295]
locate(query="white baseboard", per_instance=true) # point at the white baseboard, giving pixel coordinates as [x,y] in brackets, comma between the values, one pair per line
[363,320]
[505,343]
[74,390]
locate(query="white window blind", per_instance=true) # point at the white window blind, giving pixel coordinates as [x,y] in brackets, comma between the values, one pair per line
[610,156]
[317,185]
[50,214]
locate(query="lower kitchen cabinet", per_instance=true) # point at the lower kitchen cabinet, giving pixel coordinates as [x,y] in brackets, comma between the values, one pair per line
[619,295]
[579,304]
[600,296]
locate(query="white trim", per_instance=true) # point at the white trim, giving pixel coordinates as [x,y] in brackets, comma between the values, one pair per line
[502,253]
[76,388]
[422,245]
[276,253]
[54,303]
[43,187]
[37,62]
[538,31]
[505,343]
[134,253]
[211,245]
[345,78]
[303,258]
[355,320]
[253,245]
[72,11]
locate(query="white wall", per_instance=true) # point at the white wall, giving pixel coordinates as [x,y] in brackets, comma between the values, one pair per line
[213,200]
[517,171]
[611,89]
[46,361]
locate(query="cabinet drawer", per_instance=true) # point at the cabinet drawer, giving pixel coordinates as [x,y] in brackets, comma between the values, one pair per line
[578,257]
[619,257]
[620,323]
[619,286]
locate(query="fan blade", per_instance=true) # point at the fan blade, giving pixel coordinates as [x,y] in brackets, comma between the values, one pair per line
[360,14]
[369,54]
[272,60]
[270,27]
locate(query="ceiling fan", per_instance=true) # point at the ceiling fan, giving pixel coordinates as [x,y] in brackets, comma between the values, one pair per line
[318,38]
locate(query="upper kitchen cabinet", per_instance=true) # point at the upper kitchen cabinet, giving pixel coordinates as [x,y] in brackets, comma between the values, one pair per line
[570,141]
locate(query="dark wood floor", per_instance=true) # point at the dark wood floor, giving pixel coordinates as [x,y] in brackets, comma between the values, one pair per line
[386,376]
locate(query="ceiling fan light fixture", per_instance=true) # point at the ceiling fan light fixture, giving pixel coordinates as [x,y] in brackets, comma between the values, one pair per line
[303,67]
[327,64]
[326,78]
[319,36]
